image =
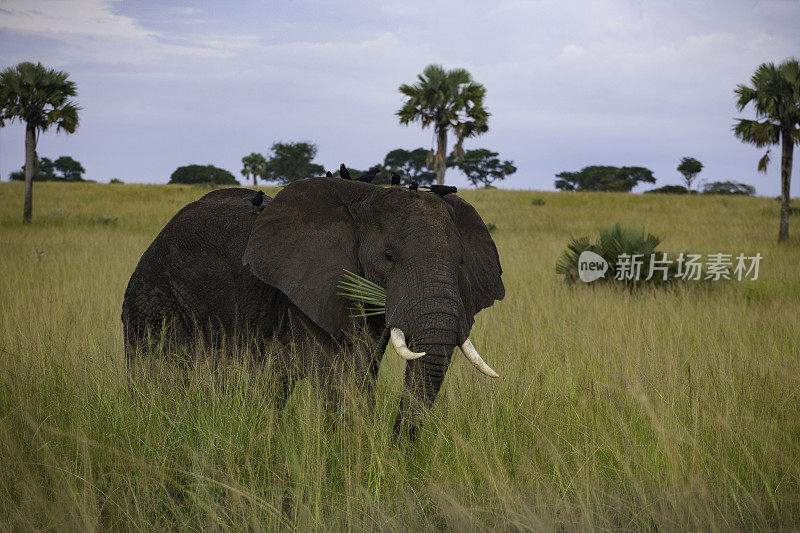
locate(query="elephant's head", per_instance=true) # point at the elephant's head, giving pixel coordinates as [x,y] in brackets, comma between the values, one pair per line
[434,256]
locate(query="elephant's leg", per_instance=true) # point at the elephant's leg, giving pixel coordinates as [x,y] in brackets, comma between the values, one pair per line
[316,357]
[282,390]
[157,336]
[281,370]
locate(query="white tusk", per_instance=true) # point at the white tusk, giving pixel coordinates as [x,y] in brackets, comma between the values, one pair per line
[399,344]
[475,358]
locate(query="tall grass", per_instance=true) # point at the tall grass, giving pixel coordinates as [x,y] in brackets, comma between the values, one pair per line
[674,409]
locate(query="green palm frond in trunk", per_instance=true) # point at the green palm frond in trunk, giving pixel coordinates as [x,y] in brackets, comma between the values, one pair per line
[370,298]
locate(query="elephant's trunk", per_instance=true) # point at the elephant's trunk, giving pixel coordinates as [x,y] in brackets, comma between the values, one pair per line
[437,335]
[399,343]
[424,308]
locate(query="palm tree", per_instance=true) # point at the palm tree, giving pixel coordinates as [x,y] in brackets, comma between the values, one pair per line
[775,94]
[253,164]
[446,100]
[40,97]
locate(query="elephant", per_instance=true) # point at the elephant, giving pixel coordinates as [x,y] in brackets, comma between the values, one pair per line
[219,269]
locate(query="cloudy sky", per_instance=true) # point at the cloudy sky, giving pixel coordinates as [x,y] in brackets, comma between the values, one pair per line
[569,84]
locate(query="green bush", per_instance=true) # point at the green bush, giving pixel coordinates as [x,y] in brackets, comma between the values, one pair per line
[604,178]
[669,189]
[615,240]
[202,174]
[537,201]
[729,187]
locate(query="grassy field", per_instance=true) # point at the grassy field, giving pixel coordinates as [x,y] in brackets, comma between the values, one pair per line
[673,409]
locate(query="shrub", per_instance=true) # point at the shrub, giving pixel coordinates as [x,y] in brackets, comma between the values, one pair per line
[604,178]
[202,174]
[537,201]
[116,180]
[614,241]
[669,189]
[729,187]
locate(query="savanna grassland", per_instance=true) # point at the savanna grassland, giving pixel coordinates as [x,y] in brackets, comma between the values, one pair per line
[675,408]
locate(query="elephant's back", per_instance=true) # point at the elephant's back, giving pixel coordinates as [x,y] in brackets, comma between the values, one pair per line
[214,227]
[193,269]
[232,195]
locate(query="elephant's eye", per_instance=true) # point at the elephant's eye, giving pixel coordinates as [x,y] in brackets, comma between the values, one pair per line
[388,255]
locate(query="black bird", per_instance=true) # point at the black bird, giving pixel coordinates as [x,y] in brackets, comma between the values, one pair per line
[328,174]
[343,172]
[413,185]
[257,200]
[369,175]
[443,190]
[395,179]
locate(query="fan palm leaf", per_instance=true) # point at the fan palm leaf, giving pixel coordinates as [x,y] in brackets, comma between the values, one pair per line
[369,298]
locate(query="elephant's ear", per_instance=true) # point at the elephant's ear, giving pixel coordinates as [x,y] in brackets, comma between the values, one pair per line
[302,242]
[481,272]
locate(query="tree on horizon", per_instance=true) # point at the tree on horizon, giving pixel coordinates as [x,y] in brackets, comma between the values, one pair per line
[41,98]
[604,178]
[447,100]
[410,164]
[483,167]
[209,174]
[775,95]
[729,187]
[689,167]
[292,161]
[45,169]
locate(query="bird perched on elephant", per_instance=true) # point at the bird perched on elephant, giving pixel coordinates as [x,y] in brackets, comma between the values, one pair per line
[369,176]
[257,201]
[215,271]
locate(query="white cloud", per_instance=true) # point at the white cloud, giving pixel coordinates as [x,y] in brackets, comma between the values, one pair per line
[56,17]
[91,30]
[400,9]
[573,52]
[186,10]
